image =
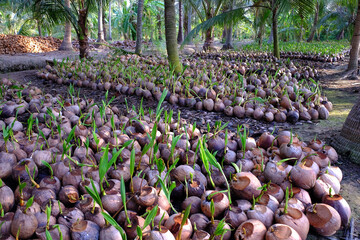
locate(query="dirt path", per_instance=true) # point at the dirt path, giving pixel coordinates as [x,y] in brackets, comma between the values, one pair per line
[342,93]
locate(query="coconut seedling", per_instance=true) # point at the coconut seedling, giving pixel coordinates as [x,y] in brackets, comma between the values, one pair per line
[293,217]
[324,219]
[167,190]
[112,221]
[340,205]
[24,223]
[243,137]
[148,220]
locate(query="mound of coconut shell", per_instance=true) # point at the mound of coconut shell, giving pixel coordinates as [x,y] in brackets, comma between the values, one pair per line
[268,91]
[74,169]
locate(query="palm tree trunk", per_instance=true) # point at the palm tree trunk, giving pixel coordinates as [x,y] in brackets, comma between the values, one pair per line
[82,35]
[139,25]
[228,41]
[103,22]
[187,22]
[100,23]
[316,18]
[228,33]
[208,39]
[276,50]
[66,44]
[110,29]
[39,28]
[180,38]
[355,41]
[271,36]
[170,35]
[159,26]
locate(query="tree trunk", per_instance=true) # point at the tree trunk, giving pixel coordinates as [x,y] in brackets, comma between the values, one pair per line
[300,34]
[348,143]
[66,44]
[355,41]
[209,40]
[228,34]
[340,35]
[180,38]
[170,34]
[82,35]
[228,42]
[208,34]
[316,18]
[187,23]
[103,22]
[110,29]
[276,50]
[260,34]
[39,28]
[100,23]
[271,36]
[159,26]
[186,18]
[139,25]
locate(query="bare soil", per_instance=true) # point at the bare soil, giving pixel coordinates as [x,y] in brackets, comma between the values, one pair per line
[342,93]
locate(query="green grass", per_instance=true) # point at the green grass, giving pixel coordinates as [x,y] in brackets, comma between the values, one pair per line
[324,47]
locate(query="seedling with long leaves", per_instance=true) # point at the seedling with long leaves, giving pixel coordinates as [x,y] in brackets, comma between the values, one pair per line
[105,164]
[185,214]
[205,154]
[243,137]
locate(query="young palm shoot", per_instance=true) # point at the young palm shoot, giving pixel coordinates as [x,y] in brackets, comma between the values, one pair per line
[21,188]
[220,230]
[167,191]
[205,153]
[286,200]
[149,219]
[112,221]
[49,167]
[94,194]
[31,177]
[123,198]
[105,164]
[29,203]
[243,137]
[132,168]
[185,214]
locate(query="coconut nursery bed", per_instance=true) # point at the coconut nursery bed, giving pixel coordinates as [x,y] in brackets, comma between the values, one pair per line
[77,169]
[268,91]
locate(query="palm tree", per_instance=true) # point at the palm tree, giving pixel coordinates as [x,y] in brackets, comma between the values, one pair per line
[139,26]
[66,44]
[305,7]
[228,31]
[355,41]
[180,37]
[110,28]
[170,35]
[77,14]
[211,9]
[316,19]
[101,37]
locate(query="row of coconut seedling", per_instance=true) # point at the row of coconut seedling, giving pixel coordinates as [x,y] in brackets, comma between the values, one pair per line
[78,170]
[265,56]
[273,92]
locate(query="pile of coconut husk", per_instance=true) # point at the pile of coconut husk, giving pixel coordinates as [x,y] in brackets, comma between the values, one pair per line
[13,44]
